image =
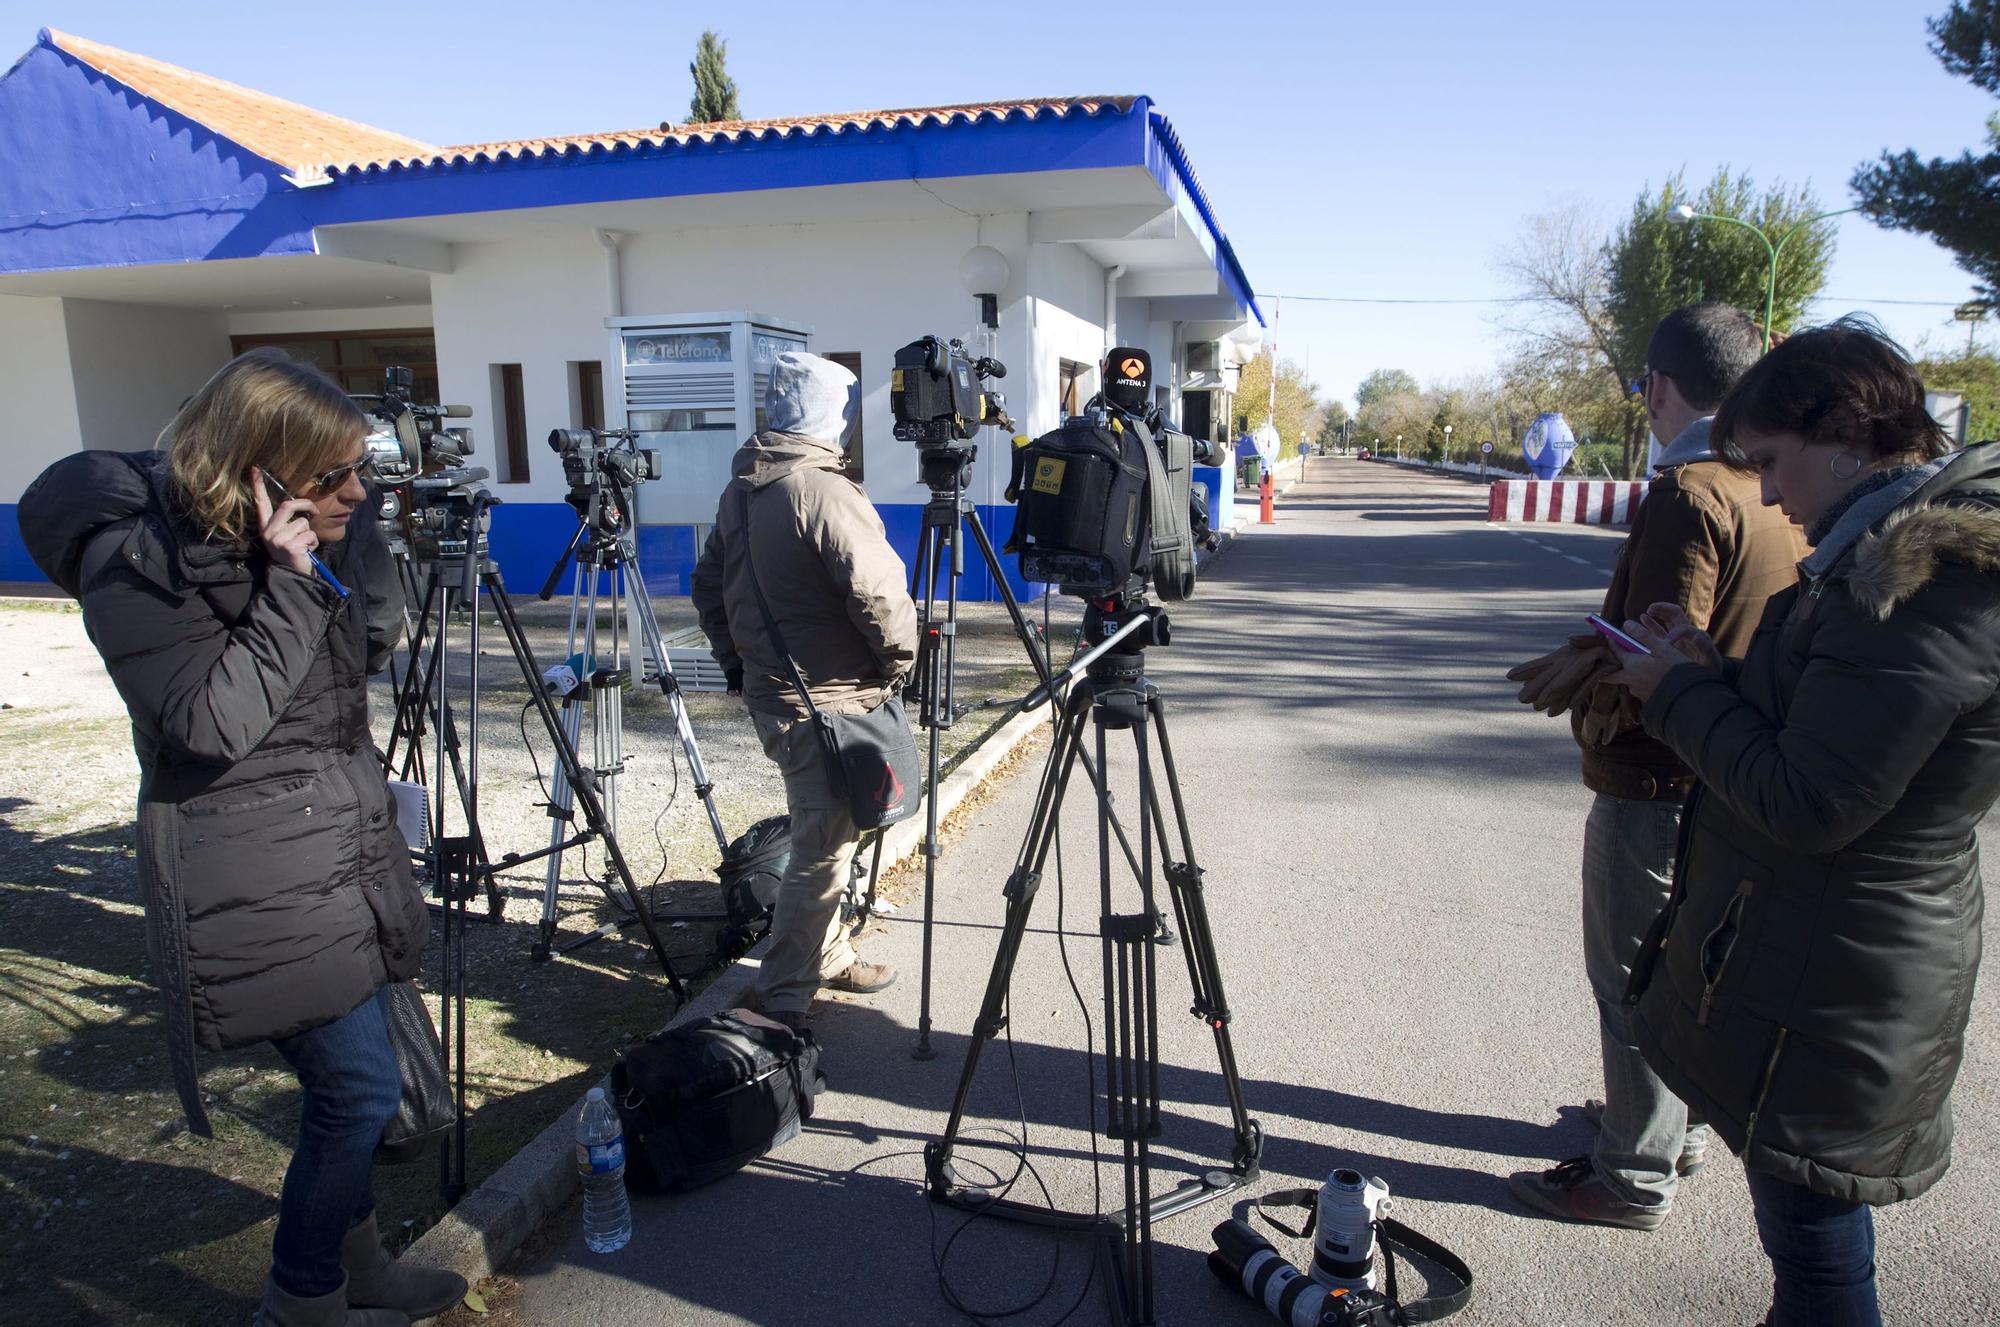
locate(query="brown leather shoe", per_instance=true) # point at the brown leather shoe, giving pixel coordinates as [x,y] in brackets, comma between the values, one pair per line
[863,978]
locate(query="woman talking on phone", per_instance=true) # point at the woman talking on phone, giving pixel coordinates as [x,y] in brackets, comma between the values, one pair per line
[240,593]
[1808,986]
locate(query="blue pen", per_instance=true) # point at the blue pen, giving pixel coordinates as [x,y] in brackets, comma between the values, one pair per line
[320,569]
[327,575]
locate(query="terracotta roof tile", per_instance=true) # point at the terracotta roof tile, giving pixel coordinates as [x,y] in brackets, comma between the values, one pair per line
[283,131]
[735,130]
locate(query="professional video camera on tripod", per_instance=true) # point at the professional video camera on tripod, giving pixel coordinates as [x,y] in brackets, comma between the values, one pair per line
[1104,512]
[439,528]
[940,402]
[604,469]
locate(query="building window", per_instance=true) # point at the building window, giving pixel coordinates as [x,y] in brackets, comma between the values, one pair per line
[856,454]
[510,424]
[586,387]
[1070,386]
[355,360]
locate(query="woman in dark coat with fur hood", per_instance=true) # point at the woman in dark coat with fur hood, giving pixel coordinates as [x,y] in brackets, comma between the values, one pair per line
[1808,987]
[214,577]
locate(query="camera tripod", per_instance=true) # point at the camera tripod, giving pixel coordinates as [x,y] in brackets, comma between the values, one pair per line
[602,547]
[455,580]
[1110,692]
[412,685]
[940,557]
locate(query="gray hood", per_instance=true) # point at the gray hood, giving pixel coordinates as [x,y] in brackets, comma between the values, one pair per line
[811,396]
[1690,444]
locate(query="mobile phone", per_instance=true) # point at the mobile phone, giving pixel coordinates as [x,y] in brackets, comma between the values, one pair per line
[280,495]
[1619,640]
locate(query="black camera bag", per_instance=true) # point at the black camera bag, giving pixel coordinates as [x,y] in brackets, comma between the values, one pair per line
[1098,502]
[710,1096]
[1081,517]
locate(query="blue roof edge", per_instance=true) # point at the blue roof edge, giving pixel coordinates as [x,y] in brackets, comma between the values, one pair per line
[1227,262]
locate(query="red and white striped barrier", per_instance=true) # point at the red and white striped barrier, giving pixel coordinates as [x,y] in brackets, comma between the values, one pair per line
[1577,501]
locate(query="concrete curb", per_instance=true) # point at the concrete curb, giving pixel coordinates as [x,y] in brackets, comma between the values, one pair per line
[476,1237]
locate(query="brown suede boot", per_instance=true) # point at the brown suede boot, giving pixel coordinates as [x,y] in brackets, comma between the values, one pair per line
[281,1309]
[376,1280]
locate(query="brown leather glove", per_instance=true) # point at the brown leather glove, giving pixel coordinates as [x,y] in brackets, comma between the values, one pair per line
[1609,712]
[1562,678]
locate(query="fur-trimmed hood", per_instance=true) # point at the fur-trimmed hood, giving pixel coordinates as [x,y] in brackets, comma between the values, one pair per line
[1900,559]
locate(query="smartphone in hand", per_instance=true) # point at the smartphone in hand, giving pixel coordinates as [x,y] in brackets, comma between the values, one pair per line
[279,495]
[1619,640]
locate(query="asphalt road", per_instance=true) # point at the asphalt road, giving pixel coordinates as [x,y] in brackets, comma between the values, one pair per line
[1391,846]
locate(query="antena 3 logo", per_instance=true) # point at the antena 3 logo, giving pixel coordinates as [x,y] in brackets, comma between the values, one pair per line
[1132,368]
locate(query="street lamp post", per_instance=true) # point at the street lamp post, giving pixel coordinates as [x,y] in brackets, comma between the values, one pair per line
[1684,215]
[1399,446]
[1447,444]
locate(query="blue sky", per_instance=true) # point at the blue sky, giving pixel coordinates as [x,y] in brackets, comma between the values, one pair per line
[1386,150]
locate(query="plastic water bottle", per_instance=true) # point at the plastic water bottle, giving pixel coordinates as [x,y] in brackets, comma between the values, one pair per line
[600,1162]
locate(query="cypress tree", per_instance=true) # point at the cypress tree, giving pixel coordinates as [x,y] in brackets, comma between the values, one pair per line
[714,89]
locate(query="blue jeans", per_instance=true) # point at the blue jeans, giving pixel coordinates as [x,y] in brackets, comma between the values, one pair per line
[1628,872]
[1822,1253]
[352,1087]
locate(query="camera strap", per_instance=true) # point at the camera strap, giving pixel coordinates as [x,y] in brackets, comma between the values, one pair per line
[828,745]
[1393,1236]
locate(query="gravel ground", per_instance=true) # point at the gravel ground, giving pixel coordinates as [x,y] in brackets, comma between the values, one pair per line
[88,1119]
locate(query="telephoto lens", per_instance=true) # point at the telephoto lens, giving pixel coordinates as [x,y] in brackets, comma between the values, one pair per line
[1246,1261]
[1344,1249]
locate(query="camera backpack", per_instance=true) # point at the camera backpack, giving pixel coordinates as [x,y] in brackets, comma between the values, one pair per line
[1101,502]
[710,1096]
[752,866]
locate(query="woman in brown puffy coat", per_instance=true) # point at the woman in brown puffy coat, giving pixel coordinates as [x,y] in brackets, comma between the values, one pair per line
[239,591]
[1808,988]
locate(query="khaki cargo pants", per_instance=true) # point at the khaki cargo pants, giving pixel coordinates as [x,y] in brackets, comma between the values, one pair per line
[808,941]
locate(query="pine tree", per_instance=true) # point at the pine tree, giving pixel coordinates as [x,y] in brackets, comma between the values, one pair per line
[1955,202]
[714,89]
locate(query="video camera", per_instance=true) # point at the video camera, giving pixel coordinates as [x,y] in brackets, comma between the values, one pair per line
[936,394]
[596,456]
[419,466]
[602,467]
[1106,503]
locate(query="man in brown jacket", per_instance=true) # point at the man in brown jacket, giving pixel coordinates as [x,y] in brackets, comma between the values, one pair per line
[836,590]
[1704,540]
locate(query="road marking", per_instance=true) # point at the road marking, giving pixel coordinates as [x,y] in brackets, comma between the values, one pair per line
[1581,562]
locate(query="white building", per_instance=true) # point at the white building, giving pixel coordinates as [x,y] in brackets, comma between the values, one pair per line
[157,221]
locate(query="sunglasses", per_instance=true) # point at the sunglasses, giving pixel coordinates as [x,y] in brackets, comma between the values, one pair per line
[334,478]
[1641,385]
[328,482]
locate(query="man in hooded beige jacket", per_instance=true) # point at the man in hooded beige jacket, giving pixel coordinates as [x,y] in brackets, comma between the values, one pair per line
[838,594]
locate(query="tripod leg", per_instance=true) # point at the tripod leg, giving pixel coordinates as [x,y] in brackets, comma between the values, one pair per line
[1037,653]
[560,817]
[417,684]
[1211,1006]
[582,780]
[933,673]
[1020,892]
[656,643]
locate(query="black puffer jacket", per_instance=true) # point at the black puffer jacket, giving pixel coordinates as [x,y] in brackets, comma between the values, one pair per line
[1808,987]
[278,889]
